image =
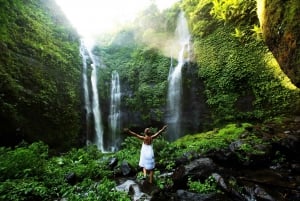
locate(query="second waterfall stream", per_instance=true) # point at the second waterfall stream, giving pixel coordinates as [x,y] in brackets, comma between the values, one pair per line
[174,105]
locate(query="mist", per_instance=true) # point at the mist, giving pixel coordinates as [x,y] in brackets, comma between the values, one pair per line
[108,22]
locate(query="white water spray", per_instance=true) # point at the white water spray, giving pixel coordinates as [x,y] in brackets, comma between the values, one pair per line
[115,112]
[87,102]
[93,105]
[175,80]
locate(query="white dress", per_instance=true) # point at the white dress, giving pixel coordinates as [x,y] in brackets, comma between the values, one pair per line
[147,157]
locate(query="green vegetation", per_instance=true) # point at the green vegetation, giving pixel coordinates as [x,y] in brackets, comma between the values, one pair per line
[39,73]
[40,68]
[243,81]
[208,186]
[143,70]
[40,95]
[240,74]
[242,78]
[28,172]
[215,139]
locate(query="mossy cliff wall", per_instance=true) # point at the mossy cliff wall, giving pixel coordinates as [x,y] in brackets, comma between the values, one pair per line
[280,23]
[243,79]
[39,74]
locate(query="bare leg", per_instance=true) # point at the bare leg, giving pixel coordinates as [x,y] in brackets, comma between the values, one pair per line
[145,172]
[151,176]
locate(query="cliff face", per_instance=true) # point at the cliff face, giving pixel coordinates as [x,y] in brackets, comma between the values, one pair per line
[233,78]
[39,73]
[280,24]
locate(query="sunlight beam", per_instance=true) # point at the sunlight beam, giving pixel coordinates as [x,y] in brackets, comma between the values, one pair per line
[93,17]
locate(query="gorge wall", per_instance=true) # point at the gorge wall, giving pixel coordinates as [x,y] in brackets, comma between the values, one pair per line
[233,77]
[280,23]
[40,75]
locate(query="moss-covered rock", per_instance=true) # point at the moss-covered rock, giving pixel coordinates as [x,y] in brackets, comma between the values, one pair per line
[280,25]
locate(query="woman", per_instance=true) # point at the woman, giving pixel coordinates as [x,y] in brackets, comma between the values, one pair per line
[147,161]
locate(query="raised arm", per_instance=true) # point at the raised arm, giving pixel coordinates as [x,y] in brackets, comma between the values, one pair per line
[133,133]
[159,132]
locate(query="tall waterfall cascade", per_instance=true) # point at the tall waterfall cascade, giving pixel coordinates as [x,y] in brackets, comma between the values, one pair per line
[175,79]
[115,112]
[91,96]
[86,93]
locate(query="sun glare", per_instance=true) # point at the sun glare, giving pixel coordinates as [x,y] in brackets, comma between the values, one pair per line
[92,17]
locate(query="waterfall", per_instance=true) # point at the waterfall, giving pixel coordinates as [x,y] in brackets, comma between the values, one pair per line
[175,80]
[94,104]
[85,83]
[114,117]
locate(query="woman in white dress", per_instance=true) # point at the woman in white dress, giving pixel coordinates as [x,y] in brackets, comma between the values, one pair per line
[147,161]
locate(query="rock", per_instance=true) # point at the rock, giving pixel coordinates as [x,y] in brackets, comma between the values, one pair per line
[113,162]
[148,188]
[235,145]
[223,157]
[201,167]
[262,194]
[132,188]
[189,196]
[220,181]
[125,168]
[71,178]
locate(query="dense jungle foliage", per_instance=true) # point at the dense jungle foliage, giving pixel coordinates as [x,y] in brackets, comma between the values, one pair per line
[39,176]
[147,87]
[40,95]
[243,80]
[40,75]
[136,53]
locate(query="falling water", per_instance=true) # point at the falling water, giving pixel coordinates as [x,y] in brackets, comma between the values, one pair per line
[114,116]
[98,139]
[87,102]
[175,80]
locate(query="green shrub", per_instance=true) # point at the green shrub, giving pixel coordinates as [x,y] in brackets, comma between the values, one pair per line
[211,140]
[130,151]
[24,189]
[91,191]
[208,186]
[24,161]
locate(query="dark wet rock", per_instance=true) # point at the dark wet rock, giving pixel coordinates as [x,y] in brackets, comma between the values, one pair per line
[220,181]
[256,193]
[240,158]
[223,157]
[184,195]
[198,168]
[163,195]
[134,190]
[186,158]
[113,162]
[295,167]
[260,193]
[71,178]
[148,187]
[125,168]
[248,193]
[289,146]
[235,146]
